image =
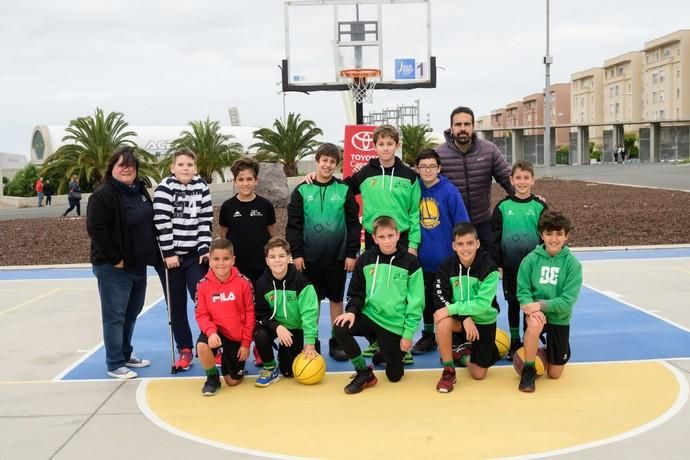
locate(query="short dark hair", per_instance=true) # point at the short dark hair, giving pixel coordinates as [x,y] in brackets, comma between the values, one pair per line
[243,164]
[329,150]
[553,221]
[386,131]
[183,152]
[129,158]
[523,165]
[221,244]
[465,228]
[384,222]
[461,109]
[426,154]
[277,242]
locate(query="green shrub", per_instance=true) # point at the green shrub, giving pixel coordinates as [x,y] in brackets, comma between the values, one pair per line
[563,155]
[23,182]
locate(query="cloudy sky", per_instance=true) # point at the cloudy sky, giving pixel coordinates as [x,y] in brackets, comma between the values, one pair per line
[169,62]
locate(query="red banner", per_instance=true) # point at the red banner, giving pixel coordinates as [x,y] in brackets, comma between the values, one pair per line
[359,147]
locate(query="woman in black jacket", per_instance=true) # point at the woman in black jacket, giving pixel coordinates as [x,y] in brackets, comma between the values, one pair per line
[120,223]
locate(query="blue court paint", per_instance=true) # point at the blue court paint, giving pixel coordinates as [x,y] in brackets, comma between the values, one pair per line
[602,329]
[79,273]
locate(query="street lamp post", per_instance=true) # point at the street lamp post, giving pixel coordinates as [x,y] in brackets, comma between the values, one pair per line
[548,60]
[280,91]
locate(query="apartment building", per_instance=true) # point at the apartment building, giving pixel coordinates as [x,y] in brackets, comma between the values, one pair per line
[532,112]
[587,101]
[623,88]
[560,111]
[513,114]
[666,77]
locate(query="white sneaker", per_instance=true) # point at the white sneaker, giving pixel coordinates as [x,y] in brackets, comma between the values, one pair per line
[123,373]
[137,362]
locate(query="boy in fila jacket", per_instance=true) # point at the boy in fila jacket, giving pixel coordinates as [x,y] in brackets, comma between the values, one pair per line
[225,314]
[286,308]
[549,282]
[465,289]
[385,302]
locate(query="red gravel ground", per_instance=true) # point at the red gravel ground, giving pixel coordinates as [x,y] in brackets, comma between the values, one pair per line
[603,215]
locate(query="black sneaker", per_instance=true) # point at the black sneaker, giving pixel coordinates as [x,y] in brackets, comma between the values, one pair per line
[334,350]
[425,344]
[515,345]
[364,378]
[527,378]
[211,386]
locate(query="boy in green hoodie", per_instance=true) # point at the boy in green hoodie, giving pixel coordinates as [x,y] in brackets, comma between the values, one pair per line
[549,282]
[287,309]
[466,285]
[385,303]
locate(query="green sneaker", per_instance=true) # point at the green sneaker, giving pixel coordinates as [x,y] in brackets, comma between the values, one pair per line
[371,350]
[408,358]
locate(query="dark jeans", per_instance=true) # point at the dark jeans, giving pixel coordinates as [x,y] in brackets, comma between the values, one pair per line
[180,280]
[73,203]
[122,294]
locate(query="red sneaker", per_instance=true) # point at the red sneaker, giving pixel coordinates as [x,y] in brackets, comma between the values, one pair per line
[448,379]
[219,359]
[257,358]
[185,360]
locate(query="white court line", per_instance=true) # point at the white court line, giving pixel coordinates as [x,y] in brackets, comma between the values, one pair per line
[153,418]
[17,307]
[93,350]
[647,312]
[666,416]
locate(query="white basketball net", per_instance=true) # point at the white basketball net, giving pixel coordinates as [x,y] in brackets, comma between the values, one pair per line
[362,88]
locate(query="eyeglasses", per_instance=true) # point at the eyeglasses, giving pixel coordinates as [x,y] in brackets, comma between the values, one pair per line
[427,167]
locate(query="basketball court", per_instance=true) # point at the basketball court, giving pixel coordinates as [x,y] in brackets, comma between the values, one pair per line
[624,391]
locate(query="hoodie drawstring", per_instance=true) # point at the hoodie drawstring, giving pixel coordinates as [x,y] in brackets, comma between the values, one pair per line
[383,175]
[275,300]
[462,291]
[373,283]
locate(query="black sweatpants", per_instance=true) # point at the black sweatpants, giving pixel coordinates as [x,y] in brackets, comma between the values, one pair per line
[389,344]
[429,286]
[263,340]
[180,280]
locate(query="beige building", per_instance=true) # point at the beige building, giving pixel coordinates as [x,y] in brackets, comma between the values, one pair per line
[666,82]
[587,101]
[513,114]
[532,112]
[560,111]
[623,88]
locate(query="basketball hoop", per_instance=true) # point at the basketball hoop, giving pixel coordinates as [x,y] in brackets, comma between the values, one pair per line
[361,82]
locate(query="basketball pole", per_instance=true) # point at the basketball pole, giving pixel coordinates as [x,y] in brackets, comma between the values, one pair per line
[359,110]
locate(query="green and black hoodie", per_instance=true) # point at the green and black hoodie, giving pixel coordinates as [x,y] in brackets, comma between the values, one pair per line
[389,290]
[390,192]
[290,302]
[323,223]
[468,291]
[514,225]
[553,281]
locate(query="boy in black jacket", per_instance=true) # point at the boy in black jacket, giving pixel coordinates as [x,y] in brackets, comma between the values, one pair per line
[385,303]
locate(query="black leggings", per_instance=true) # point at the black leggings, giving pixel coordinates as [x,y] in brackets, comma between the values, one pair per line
[263,340]
[510,293]
[389,344]
[73,203]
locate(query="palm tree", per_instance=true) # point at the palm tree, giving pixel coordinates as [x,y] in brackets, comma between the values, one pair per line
[288,142]
[415,138]
[93,139]
[214,150]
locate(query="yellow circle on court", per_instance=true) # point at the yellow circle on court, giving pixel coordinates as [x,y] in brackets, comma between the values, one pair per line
[409,419]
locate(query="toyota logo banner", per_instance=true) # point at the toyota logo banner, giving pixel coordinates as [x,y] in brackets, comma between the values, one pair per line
[359,147]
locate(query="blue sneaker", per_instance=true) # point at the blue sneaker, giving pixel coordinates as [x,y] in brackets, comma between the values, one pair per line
[267,377]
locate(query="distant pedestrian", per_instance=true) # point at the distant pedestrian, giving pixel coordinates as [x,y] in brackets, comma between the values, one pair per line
[624,153]
[39,191]
[74,196]
[48,192]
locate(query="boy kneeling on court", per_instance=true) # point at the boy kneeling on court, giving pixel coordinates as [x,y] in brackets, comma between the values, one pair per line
[549,282]
[385,303]
[225,314]
[287,308]
[465,289]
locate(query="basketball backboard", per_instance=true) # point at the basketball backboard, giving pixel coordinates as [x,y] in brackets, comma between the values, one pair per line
[325,37]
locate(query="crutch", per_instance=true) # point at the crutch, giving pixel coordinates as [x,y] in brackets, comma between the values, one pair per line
[173,368]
